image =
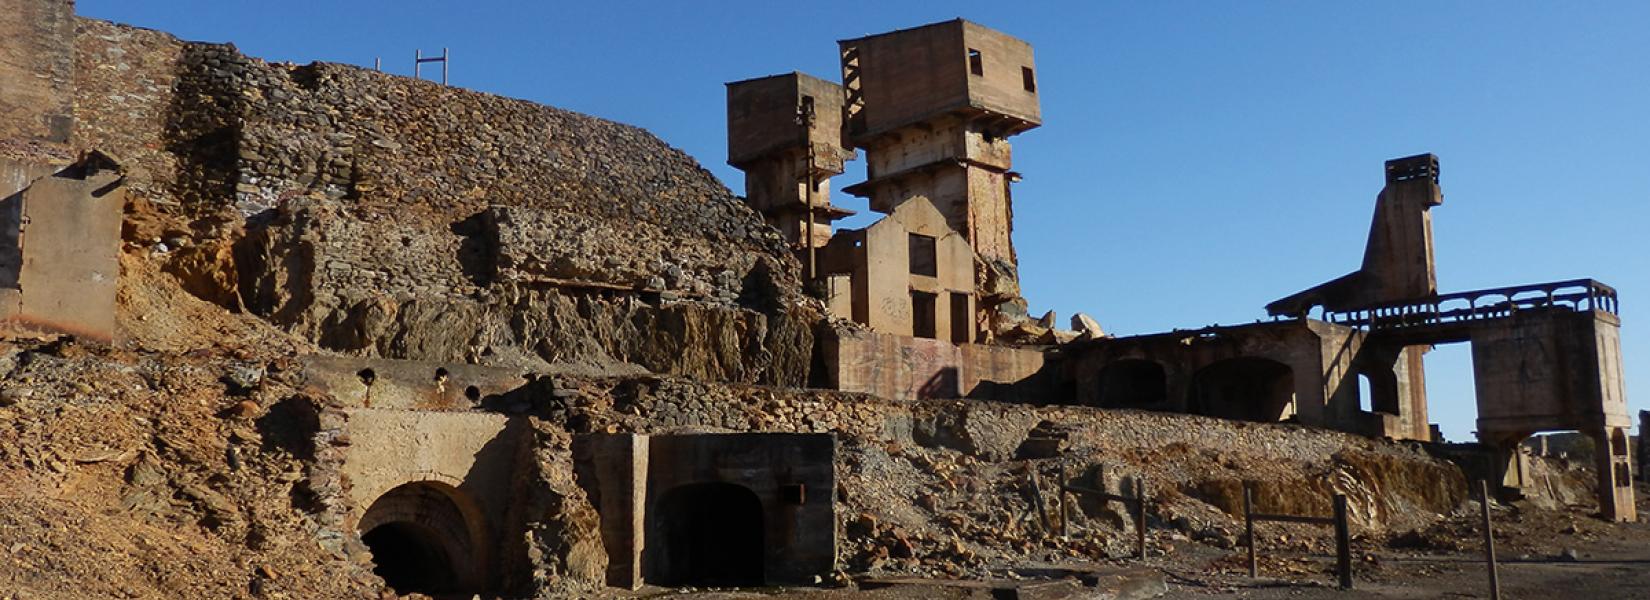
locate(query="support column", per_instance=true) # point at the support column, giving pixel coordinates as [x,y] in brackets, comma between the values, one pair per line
[1615,474]
[612,468]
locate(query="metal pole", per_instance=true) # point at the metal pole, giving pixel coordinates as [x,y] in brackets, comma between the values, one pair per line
[807,118]
[418,61]
[444,63]
[378,64]
[1489,538]
[1140,517]
[1343,543]
[1249,527]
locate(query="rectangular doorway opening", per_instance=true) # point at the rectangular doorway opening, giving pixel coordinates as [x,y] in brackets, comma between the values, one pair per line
[922,314]
[961,319]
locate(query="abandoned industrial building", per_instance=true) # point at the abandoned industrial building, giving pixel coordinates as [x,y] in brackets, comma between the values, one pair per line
[265,321]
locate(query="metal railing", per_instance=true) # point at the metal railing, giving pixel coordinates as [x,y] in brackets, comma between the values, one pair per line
[1576,295]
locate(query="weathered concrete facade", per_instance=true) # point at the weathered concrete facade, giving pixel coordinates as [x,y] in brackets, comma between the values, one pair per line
[437,485]
[785,133]
[1302,370]
[907,274]
[59,244]
[932,107]
[905,369]
[1398,260]
[1555,371]
[713,509]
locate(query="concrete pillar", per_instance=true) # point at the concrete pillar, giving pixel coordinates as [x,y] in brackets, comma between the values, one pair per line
[612,468]
[1612,459]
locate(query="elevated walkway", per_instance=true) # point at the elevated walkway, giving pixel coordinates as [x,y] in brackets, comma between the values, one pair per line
[1451,318]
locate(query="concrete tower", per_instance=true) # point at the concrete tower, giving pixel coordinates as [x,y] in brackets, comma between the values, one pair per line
[785,133]
[932,107]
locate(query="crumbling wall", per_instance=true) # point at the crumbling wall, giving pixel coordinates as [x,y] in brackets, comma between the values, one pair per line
[36,72]
[384,216]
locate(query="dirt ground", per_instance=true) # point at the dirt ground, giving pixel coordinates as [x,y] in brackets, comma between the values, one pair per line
[1543,554]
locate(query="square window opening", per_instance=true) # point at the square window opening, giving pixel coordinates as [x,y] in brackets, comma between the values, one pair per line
[924,260]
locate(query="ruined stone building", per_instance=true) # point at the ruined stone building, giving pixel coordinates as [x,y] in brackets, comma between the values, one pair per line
[486,346]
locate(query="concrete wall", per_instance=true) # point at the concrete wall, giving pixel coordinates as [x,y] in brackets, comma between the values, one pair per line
[613,470]
[792,475]
[762,115]
[800,533]
[1549,371]
[407,384]
[37,70]
[1001,89]
[469,456]
[903,368]
[15,176]
[61,255]
[888,280]
[1324,361]
[913,74]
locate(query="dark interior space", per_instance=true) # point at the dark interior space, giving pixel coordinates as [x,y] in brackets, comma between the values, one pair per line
[1133,383]
[712,536]
[1247,389]
[411,558]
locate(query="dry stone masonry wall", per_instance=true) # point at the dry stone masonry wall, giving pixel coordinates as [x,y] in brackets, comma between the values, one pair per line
[386,216]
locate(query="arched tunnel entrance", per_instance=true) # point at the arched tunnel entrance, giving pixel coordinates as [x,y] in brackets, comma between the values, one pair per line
[424,539]
[1246,388]
[710,534]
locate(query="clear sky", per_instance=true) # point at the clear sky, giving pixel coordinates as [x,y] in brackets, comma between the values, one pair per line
[1197,159]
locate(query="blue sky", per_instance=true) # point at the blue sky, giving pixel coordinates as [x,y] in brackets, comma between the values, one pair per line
[1197,159]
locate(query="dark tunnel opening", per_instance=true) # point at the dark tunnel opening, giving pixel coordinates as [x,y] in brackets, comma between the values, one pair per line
[712,536]
[422,541]
[412,559]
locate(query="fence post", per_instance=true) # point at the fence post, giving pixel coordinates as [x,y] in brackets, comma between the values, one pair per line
[1140,516]
[1343,543]
[1489,538]
[1249,528]
[1065,508]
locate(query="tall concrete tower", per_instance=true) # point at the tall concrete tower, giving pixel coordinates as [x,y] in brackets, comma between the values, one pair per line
[785,133]
[932,107]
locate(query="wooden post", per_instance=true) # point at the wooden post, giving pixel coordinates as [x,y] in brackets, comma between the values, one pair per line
[1489,539]
[1065,510]
[1037,501]
[1249,528]
[1343,543]
[1140,516]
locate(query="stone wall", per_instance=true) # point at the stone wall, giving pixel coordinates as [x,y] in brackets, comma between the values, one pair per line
[384,216]
[36,72]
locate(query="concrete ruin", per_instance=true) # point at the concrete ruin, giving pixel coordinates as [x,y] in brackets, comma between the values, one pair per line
[59,239]
[552,353]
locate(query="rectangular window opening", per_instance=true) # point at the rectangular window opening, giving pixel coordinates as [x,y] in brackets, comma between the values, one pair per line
[1029,79]
[976,65]
[961,319]
[923,314]
[923,258]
